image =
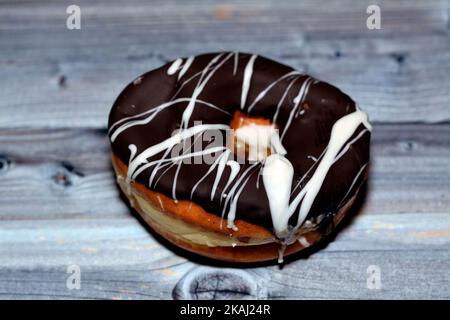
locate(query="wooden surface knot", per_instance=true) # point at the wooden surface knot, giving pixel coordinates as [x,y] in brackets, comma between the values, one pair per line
[62,81]
[215,284]
[64,176]
[407,146]
[5,163]
[399,57]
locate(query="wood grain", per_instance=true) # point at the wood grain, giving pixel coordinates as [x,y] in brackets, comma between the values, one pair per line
[121,260]
[60,206]
[400,73]
[68,173]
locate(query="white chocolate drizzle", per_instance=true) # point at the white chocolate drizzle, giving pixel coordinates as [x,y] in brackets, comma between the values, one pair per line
[263,93]
[174,67]
[298,100]
[236,63]
[248,72]
[353,183]
[185,67]
[276,170]
[277,177]
[342,130]
[205,77]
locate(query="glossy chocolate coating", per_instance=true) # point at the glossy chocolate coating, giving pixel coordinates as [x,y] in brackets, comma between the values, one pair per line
[306,137]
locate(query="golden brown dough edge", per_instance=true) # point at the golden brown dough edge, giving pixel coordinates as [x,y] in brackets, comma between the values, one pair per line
[193,214]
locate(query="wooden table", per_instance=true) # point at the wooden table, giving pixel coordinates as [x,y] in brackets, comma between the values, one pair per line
[60,206]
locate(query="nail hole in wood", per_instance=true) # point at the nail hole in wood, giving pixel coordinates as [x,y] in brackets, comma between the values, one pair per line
[62,81]
[398,57]
[65,174]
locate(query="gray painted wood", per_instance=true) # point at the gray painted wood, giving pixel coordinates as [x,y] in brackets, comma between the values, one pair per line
[119,260]
[71,78]
[68,173]
[60,206]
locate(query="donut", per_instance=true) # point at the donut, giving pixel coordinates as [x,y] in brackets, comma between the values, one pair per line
[236,157]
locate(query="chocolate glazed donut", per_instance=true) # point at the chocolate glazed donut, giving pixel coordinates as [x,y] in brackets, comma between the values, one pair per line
[233,208]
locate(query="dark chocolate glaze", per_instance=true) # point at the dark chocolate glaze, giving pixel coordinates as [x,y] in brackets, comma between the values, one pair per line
[305,139]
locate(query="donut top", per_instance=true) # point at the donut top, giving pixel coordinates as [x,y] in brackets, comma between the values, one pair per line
[167,123]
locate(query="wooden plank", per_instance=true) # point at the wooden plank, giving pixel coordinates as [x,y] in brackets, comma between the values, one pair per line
[71,78]
[120,260]
[342,14]
[64,173]
[57,213]
[60,206]
[68,173]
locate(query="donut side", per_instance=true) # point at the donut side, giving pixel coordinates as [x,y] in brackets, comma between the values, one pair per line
[185,224]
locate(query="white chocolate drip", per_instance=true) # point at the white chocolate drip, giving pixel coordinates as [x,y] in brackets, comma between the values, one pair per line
[234,167]
[281,251]
[277,177]
[341,132]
